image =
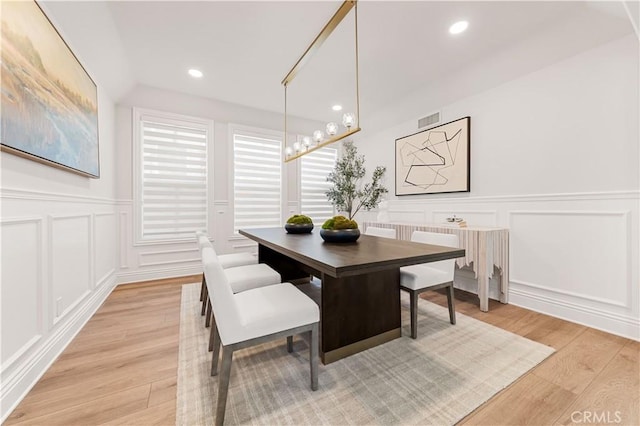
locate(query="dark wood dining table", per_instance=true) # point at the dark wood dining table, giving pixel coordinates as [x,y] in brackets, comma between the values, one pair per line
[360,282]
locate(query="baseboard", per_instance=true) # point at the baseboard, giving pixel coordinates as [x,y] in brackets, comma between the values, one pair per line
[620,325]
[26,374]
[156,274]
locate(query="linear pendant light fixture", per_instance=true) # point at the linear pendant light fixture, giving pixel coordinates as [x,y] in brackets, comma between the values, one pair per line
[350,121]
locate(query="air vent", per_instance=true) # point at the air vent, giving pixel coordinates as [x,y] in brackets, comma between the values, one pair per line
[429,120]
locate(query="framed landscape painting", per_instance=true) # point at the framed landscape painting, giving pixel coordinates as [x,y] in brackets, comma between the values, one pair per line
[435,160]
[49,102]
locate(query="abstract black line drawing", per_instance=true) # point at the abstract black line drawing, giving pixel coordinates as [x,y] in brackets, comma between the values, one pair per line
[435,160]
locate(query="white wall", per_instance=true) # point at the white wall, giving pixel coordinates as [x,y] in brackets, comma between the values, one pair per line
[555,158]
[57,227]
[146,262]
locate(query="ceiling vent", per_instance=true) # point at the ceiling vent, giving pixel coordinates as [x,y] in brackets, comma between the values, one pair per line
[429,120]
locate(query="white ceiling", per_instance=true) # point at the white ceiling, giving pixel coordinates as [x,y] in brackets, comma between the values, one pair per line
[246,48]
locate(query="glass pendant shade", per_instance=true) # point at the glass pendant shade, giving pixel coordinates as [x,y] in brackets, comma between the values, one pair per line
[332,129]
[348,120]
[318,136]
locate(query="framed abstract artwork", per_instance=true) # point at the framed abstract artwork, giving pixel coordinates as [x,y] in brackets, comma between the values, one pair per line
[435,160]
[49,102]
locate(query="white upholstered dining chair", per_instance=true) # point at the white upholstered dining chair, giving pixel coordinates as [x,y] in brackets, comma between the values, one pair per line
[254,317]
[416,279]
[381,232]
[231,260]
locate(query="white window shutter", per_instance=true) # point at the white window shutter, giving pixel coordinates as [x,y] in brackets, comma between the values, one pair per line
[257,182]
[173,184]
[314,169]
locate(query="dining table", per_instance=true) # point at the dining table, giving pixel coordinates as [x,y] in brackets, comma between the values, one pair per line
[359,282]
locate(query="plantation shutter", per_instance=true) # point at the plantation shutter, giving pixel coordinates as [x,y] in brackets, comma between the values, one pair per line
[315,167]
[174,178]
[257,181]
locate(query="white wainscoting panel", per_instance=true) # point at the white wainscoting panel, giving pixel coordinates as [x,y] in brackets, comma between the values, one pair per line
[169,257]
[53,246]
[22,288]
[104,253]
[71,271]
[406,215]
[574,254]
[125,239]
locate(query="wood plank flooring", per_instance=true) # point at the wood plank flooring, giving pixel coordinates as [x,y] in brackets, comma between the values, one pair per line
[121,368]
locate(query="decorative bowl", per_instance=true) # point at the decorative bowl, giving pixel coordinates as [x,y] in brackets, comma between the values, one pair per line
[298,228]
[340,235]
[454,219]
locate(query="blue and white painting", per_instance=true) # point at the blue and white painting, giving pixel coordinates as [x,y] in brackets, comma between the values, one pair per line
[49,102]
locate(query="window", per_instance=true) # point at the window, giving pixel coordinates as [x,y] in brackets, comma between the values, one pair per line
[171,189]
[257,179]
[314,169]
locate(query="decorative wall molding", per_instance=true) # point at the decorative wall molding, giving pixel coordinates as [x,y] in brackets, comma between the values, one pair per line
[54,318]
[607,220]
[621,325]
[123,241]
[97,281]
[18,355]
[625,219]
[570,196]
[147,254]
[131,277]
[572,294]
[25,194]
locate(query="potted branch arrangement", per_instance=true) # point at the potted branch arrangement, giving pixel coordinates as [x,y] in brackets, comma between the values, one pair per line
[349,196]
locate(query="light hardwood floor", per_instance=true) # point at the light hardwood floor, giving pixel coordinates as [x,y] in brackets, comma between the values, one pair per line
[121,368]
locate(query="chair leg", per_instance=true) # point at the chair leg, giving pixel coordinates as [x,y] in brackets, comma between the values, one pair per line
[451,303]
[216,351]
[213,332]
[289,344]
[413,302]
[207,321]
[223,386]
[205,298]
[202,288]
[313,357]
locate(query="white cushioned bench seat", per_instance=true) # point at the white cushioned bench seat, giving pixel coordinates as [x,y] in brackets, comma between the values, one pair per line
[262,311]
[248,277]
[233,260]
[419,276]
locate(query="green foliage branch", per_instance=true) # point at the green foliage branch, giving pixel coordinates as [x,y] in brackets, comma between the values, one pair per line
[347,193]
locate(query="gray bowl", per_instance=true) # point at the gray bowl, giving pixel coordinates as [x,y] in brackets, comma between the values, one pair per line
[298,228]
[340,235]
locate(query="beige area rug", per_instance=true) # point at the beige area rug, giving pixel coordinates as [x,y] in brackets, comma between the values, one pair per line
[436,379]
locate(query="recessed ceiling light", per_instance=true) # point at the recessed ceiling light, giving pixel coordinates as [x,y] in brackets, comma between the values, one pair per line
[337,107]
[458,27]
[195,73]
